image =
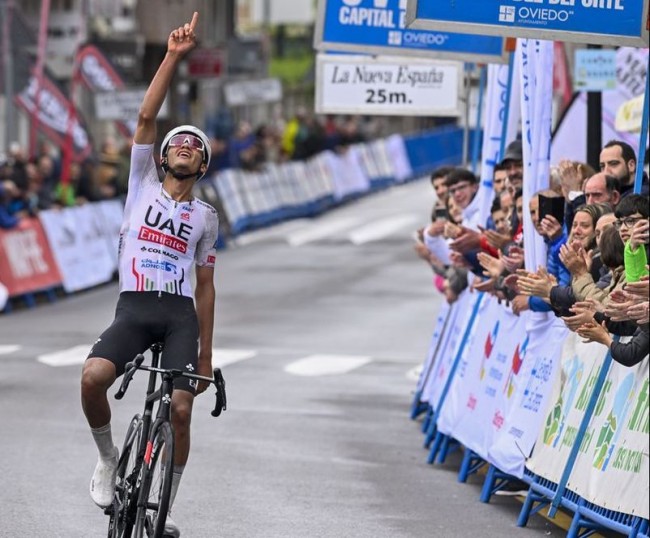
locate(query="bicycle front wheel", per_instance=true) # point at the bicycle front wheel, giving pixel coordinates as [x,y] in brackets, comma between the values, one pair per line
[156,484]
[124,506]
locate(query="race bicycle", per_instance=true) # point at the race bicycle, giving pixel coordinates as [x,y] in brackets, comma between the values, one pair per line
[146,463]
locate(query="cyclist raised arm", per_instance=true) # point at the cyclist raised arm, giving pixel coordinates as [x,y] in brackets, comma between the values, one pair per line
[165,233]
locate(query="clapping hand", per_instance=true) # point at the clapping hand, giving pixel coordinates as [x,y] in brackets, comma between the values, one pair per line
[593,332]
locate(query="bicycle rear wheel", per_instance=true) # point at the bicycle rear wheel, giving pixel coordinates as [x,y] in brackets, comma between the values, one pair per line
[155,489]
[122,514]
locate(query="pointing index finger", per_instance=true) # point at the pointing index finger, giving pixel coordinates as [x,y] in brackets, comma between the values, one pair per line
[195,19]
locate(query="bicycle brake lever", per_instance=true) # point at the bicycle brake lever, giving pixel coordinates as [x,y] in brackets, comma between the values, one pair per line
[129,372]
[220,384]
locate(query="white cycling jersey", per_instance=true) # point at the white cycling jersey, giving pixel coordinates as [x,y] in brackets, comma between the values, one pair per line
[159,237]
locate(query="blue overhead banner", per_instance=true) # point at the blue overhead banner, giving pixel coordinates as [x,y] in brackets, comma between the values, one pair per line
[607,22]
[378,27]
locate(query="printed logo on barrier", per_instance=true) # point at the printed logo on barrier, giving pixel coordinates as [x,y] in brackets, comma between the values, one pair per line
[572,372]
[506,13]
[611,430]
[490,342]
[517,360]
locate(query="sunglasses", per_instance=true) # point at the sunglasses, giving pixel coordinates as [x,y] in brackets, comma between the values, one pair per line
[191,141]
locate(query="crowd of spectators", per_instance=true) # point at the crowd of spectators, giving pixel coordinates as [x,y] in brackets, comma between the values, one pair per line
[596,230]
[30,184]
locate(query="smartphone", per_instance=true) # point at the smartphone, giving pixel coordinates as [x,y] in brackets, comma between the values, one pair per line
[551,206]
[440,213]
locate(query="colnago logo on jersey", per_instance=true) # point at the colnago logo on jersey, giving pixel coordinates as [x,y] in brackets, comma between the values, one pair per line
[164,231]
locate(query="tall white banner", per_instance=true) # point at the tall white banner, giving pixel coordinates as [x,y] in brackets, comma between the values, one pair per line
[435,345]
[497,106]
[535,59]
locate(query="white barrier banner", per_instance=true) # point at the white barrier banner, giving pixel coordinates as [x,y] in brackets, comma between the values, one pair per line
[347,174]
[612,468]
[449,347]
[490,383]
[441,325]
[4,296]
[581,364]
[457,396]
[535,364]
[398,156]
[77,238]
[112,212]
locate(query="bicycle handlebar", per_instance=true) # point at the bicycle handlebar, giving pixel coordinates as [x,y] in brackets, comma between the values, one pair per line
[217,380]
[129,372]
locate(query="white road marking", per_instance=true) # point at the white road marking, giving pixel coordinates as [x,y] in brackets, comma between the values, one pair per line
[414,373]
[222,357]
[6,349]
[321,230]
[277,231]
[317,365]
[66,357]
[379,229]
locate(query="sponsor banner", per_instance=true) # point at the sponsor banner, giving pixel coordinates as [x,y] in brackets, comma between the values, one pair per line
[111,212]
[612,468]
[533,371]
[253,92]
[570,136]
[98,74]
[378,27]
[432,389]
[608,22]
[439,328]
[77,237]
[398,157]
[26,261]
[629,115]
[480,378]
[347,174]
[535,59]
[580,366]
[595,70]
[54,114]
[387,86]
[445,363]
[123,105]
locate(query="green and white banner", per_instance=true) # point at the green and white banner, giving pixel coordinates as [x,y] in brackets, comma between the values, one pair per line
[581,365]
[612,468]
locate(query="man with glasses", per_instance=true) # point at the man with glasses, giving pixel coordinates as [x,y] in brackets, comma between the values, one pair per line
[165,233]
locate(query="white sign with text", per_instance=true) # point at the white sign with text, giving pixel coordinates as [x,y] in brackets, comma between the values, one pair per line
[387,86]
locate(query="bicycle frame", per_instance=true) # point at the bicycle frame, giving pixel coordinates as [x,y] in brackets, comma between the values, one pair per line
[163,395]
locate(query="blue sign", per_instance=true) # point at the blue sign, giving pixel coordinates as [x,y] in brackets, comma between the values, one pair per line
[378,27]
[611,22]
[595,70]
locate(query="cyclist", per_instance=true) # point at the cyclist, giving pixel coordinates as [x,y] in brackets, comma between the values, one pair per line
[165,231]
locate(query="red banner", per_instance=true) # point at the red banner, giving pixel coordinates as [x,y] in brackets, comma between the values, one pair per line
[26,261]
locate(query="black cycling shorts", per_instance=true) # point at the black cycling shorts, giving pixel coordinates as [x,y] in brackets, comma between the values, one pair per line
[144,318]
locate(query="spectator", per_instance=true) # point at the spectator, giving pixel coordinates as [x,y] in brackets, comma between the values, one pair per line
[618,159]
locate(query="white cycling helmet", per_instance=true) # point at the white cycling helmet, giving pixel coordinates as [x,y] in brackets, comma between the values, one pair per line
[189,129]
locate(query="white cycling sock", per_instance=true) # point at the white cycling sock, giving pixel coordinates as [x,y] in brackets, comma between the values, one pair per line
[176,480]
[104,441]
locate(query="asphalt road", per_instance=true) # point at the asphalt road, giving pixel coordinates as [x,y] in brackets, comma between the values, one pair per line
[320,325]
